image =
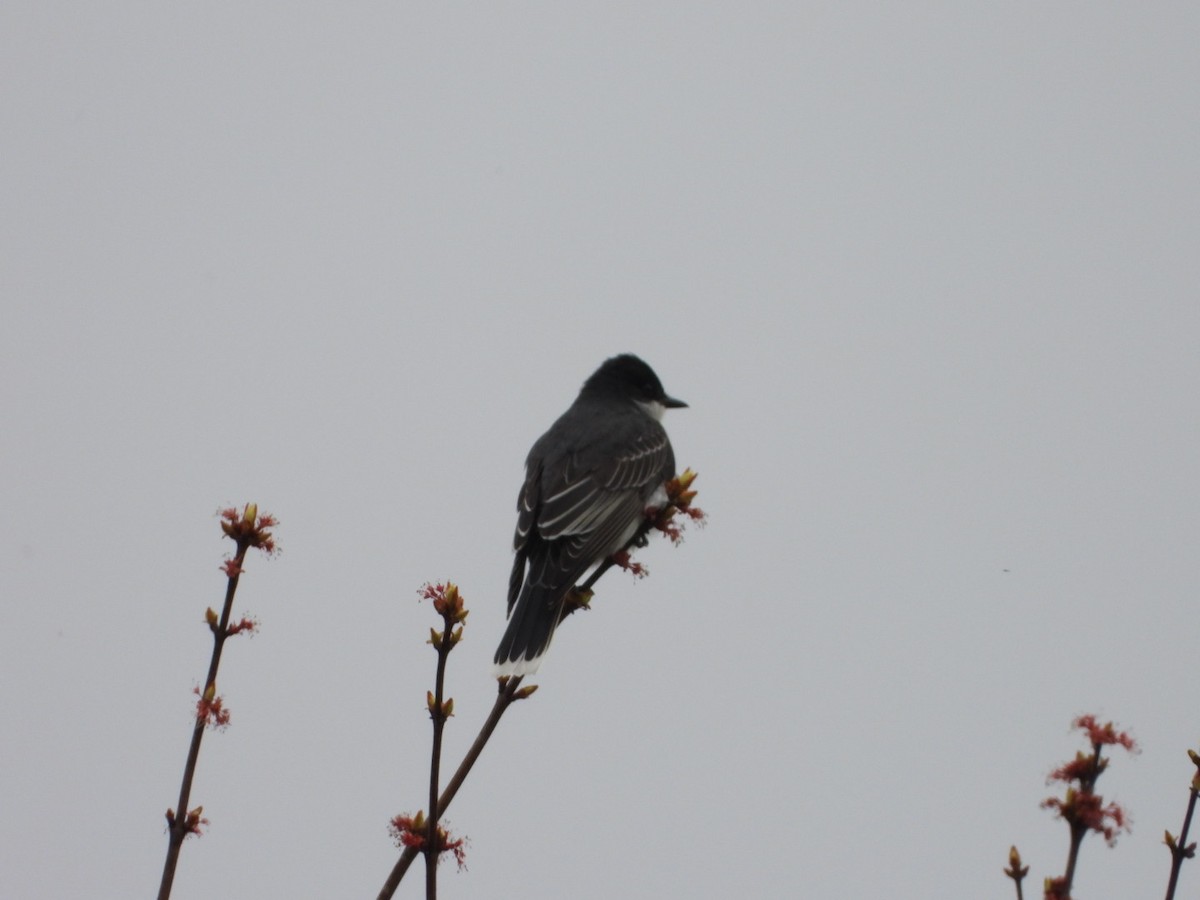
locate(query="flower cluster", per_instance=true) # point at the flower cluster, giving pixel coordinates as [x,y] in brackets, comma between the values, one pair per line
[679,500]
[624,560]
[1087,811]
[245,624]
[413,831]
[1083,809]
[447,601]
[250,529]
[1104,735]
[210,709]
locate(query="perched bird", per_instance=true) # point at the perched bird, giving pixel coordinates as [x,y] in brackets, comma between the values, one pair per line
[588,483]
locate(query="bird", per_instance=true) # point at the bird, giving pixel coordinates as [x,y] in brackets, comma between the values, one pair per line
[588,483]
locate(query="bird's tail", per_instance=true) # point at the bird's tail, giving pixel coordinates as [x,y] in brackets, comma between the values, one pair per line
[530,628]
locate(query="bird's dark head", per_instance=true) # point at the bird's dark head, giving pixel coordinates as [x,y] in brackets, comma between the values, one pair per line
[628,377]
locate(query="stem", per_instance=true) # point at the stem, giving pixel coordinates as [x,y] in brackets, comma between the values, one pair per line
[1077,834]
[1179,852]
[1079,830]
[438,714]
[179,829]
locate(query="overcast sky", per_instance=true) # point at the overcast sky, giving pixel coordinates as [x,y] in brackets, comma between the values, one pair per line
[926,273]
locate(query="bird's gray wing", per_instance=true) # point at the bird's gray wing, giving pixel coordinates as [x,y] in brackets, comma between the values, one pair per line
[576,509]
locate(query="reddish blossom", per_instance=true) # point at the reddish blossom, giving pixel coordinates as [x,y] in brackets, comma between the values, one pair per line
[447,601]
[679,499]
[232,568]
[1087,811]
[413,831]
[664,521]
[249,529]
[248,625]
[1084,768]
[672,531]
[210,709]
[1103,735]
[1082,808]
[408,831]
[457,846]
[626,562]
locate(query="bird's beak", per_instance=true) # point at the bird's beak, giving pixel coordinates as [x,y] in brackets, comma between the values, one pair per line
[672,403]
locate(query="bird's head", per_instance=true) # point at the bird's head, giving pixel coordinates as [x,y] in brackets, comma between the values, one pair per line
[628,377]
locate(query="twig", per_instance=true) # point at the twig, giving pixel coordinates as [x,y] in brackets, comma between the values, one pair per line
[1079,828]
[1181,849]
[1082,808]
[248,530]
[449,604]
[1016,871]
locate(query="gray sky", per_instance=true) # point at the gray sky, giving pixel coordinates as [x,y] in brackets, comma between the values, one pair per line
[927,276]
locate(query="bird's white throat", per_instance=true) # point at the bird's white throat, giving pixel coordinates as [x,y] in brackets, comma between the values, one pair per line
[654,408]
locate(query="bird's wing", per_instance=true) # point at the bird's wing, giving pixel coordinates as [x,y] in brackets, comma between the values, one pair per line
[580,506]
[560,563]
[582,492]
[645,463]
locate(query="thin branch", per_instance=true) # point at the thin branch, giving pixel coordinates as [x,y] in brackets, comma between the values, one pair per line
[1180,849]
[247,530]
[1079,829]
[1016,871]
[439,710]
[178,828]
[1082,808]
